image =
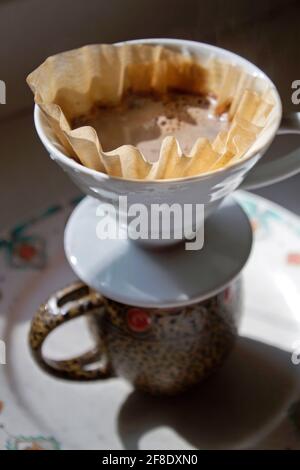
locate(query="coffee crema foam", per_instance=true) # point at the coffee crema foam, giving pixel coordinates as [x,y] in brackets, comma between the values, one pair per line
[145,120]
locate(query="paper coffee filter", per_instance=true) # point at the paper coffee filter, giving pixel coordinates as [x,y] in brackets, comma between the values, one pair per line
[71,84]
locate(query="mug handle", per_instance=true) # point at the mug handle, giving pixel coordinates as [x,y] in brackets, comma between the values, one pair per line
[69,303]
[271,172]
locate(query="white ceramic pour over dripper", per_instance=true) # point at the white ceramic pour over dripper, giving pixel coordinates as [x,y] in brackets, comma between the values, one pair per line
[209,189]
[122,269]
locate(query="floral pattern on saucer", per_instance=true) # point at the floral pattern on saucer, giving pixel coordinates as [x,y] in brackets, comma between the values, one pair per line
[25,252]
[20,442]
[32,443]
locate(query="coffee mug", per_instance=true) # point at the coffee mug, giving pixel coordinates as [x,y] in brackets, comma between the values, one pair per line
[209,189]
[160,351]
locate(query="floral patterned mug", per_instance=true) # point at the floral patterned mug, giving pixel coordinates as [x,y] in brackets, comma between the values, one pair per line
[161,351]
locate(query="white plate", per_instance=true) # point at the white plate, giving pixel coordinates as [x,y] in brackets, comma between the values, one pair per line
[124,271]
[253,402]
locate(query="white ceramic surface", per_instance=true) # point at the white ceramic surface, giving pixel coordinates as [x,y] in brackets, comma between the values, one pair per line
[253,402]
[124,271]
[208,189]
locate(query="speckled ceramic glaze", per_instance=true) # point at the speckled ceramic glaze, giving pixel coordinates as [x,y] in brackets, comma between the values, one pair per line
[158,351]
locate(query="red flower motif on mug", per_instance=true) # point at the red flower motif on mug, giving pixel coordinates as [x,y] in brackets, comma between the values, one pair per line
[138,320]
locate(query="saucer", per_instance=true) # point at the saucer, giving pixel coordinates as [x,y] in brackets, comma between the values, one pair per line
[253,402]
[127,272]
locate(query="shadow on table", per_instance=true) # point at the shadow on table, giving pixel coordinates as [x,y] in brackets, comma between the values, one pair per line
[230,410]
